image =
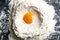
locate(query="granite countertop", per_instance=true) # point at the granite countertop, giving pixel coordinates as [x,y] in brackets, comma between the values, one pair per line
[4,25]
[4,22]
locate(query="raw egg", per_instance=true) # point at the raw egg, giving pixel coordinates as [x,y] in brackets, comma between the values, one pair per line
[28,17]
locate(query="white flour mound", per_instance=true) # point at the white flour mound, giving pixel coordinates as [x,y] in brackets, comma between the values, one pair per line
[48,12]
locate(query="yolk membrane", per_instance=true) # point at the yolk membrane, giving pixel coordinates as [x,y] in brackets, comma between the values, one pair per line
[28,17]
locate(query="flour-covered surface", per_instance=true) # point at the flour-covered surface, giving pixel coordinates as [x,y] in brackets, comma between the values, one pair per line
[55,35]
[48,23]
[4,20]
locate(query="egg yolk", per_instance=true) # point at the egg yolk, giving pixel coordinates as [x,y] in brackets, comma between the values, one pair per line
[28,17]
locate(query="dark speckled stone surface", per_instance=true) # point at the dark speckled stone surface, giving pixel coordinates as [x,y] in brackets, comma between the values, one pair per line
[4,32]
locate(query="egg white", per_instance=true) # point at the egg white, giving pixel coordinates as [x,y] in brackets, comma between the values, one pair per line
[35,28]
